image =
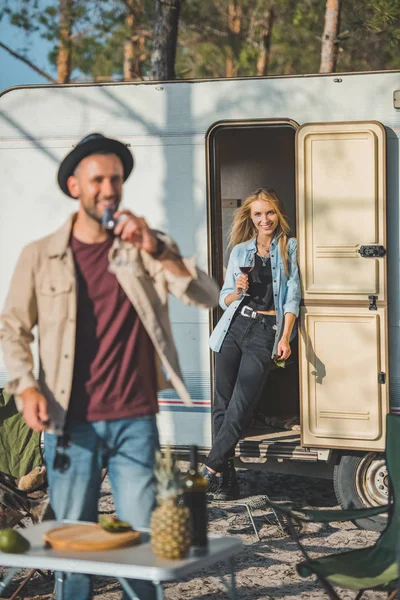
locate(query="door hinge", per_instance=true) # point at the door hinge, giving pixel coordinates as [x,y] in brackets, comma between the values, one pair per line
[372,302]
[382,377]
[372,251]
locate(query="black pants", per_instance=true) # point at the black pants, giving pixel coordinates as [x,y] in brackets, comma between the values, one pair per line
[241,368]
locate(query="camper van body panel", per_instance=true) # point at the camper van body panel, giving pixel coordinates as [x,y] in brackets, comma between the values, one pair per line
[165,125]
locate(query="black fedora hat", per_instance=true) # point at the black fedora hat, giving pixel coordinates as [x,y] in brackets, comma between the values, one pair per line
[93,144]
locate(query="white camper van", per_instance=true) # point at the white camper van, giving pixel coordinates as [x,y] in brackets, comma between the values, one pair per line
[329,145]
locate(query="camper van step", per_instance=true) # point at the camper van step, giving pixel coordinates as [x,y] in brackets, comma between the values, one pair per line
[293,457]
[255,449]
[284,451]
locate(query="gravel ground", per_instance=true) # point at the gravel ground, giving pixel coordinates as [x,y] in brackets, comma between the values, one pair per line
[266,568]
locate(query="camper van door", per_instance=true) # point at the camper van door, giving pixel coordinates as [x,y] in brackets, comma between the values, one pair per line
[341,169]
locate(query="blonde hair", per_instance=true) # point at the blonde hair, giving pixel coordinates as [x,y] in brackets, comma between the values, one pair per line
[243,230]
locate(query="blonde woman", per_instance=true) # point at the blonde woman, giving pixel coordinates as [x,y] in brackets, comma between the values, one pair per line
[261,308]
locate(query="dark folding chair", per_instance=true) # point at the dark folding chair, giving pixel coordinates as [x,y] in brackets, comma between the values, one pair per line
[375,567]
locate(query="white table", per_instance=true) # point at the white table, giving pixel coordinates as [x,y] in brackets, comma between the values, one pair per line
[136,562]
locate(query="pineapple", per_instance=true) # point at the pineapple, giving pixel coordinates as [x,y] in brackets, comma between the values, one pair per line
[171,528]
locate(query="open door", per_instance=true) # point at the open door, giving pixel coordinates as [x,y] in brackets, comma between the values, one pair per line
[341,232]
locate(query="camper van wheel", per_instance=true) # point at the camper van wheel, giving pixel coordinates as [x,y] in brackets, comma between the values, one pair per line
[361,481]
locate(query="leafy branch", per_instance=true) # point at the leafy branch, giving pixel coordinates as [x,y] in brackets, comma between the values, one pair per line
[27,62]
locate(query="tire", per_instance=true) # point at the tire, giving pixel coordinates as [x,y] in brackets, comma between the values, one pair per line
[361,481]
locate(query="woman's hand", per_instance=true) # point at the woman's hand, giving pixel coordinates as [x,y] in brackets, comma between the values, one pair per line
[242,284]
[284,350]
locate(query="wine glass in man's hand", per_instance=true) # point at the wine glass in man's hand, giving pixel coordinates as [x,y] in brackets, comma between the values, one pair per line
[246,270]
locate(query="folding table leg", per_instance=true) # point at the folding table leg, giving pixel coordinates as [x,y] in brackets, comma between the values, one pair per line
[232,591]
[229,585]
[7,579]
[133,595]
[128,589]
[60,578]
[159,590]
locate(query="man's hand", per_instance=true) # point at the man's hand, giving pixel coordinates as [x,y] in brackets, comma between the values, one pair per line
[35,409]
[135,230]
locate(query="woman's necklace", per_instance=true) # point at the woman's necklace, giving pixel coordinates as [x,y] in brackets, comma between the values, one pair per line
[266,256]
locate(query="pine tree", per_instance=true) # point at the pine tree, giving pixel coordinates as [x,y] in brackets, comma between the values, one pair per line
[165,37]
[330,48]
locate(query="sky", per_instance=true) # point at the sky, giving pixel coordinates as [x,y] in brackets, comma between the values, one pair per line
[15,72]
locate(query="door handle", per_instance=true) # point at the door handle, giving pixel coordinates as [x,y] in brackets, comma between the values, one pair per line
[371,251]
[372,302]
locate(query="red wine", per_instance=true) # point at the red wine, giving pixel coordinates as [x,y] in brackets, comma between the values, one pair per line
[246,270]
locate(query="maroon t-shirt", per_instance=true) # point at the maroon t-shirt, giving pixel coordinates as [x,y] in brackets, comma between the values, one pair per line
[114,368]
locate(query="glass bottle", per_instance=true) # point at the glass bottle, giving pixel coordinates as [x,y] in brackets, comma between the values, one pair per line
[196,501]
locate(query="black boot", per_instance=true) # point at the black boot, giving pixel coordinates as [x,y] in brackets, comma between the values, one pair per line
[228,485]
[212,480]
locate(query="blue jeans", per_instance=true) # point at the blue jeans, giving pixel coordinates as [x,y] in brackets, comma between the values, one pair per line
[127,448]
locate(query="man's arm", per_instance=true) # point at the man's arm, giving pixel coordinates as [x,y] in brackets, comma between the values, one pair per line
[189,284]
[183,278]
[17,321]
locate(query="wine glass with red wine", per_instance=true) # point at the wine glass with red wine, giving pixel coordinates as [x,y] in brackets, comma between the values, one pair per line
[246,270]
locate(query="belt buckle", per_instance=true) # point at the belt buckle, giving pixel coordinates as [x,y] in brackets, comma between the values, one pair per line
[247,311]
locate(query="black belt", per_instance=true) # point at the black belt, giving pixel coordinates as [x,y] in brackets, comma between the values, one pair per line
[247,311]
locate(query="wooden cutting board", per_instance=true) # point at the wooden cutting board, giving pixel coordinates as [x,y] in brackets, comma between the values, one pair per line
[88,538]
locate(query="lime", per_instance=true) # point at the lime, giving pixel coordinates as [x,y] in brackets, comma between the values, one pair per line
[113,525]
[279,363]
[13,542]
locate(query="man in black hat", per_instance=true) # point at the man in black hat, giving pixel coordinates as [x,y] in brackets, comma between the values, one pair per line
[100,301]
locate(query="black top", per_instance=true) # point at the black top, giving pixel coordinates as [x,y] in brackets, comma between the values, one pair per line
[260,286]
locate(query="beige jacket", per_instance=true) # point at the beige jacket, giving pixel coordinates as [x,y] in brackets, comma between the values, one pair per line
[43,292]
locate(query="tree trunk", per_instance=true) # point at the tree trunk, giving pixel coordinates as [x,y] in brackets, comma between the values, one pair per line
[64,52]
[234,31]
[263,59]
[330,46]
[165,38]
[132,48]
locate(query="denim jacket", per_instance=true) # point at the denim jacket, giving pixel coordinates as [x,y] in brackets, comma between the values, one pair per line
[286,288]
